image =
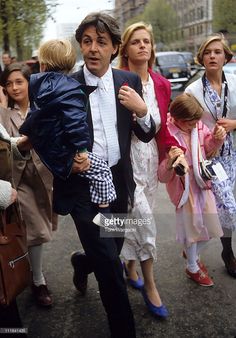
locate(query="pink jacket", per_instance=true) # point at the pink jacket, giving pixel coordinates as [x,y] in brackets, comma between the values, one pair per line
[175,184]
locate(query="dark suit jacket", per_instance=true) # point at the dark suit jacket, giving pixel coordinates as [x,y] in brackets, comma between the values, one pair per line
[65,192]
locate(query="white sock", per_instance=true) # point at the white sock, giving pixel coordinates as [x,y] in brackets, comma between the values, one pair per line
[191,253]
[36,262]
[200,245]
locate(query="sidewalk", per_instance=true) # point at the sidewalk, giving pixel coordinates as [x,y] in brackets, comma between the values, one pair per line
[194,311]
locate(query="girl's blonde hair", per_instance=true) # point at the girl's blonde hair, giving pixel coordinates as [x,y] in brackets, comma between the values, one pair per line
[123,59]
[57,55]
[213,38]
[185,107]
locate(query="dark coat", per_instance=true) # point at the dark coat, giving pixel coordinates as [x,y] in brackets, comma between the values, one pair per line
[66,192]
[56,123]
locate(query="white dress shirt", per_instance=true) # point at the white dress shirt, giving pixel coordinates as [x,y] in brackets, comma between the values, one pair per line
[100,143]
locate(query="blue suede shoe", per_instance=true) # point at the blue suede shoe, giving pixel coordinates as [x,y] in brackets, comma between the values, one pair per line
[136,284]
[158,311]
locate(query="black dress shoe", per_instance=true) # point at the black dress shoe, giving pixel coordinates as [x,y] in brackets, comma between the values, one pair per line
[230,263]
[80,277]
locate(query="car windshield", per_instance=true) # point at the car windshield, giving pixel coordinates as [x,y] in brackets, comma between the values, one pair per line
[170,60]
[187,56]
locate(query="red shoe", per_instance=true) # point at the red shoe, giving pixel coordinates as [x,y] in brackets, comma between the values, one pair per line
[200,278]
[199,263]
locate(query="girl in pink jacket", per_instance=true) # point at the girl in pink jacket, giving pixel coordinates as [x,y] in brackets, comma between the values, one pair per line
[196,216]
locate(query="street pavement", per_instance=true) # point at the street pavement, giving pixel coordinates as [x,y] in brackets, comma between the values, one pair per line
[195,311]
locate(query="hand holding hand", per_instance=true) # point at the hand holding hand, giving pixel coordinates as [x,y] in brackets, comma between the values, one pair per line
[219,132]
[228,124]
[132,101]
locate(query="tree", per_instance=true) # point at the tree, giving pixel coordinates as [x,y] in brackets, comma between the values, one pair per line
[224,17]
[162,17]
[22,23]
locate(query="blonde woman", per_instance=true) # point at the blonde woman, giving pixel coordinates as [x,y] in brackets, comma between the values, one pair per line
[137,55]
[216,93]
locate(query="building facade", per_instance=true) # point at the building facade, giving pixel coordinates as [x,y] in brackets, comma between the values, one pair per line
[127,9]
[194,20]
[194,23]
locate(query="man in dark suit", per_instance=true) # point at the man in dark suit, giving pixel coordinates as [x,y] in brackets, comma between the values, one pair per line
[99,38]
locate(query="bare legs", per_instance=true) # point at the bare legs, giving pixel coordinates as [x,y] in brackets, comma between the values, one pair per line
[148,276]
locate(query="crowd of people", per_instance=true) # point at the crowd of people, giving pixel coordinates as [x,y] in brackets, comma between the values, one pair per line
[114,135]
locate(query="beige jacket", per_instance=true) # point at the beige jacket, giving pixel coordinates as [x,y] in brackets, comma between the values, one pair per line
[36,207]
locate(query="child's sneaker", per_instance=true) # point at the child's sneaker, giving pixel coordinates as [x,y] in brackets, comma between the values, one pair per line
[201,265]
[200,277]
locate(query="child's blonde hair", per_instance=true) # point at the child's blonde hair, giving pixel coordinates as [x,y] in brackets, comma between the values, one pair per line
[57,55]
[185,107]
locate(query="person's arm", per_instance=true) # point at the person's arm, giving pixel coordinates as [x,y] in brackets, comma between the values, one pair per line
[76,133]
[165,141]
[143,124]
[213,140]
[81,162]
[174,157]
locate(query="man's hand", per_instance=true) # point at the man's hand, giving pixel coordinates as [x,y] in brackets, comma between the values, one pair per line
[81,163]
[132,101]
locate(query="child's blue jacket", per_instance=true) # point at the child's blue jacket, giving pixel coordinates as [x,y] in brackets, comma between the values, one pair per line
[56,123]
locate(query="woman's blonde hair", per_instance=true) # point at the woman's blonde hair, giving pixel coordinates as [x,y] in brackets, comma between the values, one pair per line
[123,59]
[185,107]
[213,38]
[57,55]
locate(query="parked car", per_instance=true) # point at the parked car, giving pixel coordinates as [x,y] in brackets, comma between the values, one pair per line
[198,74]
[190,60]
[173,66]
[230,68]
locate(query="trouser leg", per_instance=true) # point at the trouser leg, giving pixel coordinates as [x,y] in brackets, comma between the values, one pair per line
[103,257]
[227,253]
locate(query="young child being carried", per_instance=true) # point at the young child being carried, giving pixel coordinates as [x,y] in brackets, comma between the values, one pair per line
[196,216]
[56,123]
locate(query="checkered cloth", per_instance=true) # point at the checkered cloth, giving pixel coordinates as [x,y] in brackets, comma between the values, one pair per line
[102,189]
